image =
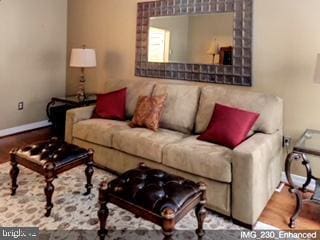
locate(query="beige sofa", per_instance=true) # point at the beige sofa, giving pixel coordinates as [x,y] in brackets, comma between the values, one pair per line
[240,182]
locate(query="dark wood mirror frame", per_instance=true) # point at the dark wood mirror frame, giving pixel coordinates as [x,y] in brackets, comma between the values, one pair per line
[239,73]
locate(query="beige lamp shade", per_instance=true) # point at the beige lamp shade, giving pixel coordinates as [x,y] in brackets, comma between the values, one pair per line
[317,70]
[213,48]
[83,58]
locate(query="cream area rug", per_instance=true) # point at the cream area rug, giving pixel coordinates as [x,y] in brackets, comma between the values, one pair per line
[72,210]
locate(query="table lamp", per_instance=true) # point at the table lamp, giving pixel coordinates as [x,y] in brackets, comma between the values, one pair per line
[82,58]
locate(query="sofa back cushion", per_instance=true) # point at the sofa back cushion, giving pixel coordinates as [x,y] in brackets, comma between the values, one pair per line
[180,107]
[135,90]
[268,106]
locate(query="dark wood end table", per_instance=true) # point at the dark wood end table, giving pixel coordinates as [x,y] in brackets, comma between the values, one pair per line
[309,143]
[58,106]
[50,158]
[153,195]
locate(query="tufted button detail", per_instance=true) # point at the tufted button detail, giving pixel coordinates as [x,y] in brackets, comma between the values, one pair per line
[154,189]
[53,150]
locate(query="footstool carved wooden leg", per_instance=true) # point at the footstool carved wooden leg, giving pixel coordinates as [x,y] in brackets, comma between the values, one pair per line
[14,172]
[103,211]
[200,210]
[49,188]
[89,172]
[168,223]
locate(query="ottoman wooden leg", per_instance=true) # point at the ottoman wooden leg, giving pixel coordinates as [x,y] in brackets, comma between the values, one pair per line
[14,172]
[89,172]
[168,223]
[200,210]
[49,188]
[103,211]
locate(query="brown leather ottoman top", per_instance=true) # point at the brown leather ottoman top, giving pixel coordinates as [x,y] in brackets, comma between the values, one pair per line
[153,189]
[55,150]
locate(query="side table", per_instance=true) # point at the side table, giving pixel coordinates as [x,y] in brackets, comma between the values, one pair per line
[309,143]
[57,112]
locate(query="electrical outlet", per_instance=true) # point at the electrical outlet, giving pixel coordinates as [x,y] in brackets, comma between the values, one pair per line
[286,141]
[20,106]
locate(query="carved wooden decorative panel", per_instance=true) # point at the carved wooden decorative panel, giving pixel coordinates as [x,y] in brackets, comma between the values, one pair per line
[239,73]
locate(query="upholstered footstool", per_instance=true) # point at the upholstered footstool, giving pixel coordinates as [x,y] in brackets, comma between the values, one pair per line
[50,158]
[153,195]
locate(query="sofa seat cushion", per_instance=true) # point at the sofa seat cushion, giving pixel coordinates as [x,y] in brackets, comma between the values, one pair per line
[201,158]
[99,131]
[145,143]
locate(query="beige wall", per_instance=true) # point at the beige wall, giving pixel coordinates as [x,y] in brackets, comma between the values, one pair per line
[286,40]
[32,58]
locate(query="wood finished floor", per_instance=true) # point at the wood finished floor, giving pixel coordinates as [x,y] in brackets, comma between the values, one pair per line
[7,143]
[277,212]
[282,205]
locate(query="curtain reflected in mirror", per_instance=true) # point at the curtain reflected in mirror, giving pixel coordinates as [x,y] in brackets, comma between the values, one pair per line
[196,39]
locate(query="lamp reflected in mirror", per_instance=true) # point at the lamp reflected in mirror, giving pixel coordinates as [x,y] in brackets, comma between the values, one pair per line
[213,50]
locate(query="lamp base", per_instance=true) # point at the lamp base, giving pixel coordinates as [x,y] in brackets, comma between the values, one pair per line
[81,94]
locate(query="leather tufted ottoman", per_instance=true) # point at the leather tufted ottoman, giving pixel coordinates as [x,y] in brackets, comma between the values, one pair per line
[50,158]
[154,195]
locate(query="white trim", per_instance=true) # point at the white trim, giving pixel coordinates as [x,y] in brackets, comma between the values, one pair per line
[23,128]
[264,226]
[280,187]
[298,180]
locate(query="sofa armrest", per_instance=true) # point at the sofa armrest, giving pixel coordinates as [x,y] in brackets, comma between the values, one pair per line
[256,171]
[75,115]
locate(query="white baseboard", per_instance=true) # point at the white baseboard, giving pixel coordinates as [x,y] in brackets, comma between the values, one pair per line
[298,180]
[264,226]
[280,187]
[23,128]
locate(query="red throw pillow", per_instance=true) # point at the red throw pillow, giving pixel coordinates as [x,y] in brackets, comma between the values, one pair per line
[111,105]
[229,126]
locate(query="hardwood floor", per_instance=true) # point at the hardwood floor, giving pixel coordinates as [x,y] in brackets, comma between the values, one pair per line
[277,212]
[7,143]
[282,205]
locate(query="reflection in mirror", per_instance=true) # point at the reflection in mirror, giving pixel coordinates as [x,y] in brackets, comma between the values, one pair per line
[200,39]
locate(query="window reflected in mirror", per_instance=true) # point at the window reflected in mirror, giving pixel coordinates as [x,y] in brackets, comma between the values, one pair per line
[197,39]
[159,40]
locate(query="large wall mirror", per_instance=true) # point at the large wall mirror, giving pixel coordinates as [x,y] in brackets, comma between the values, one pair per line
[196,40]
